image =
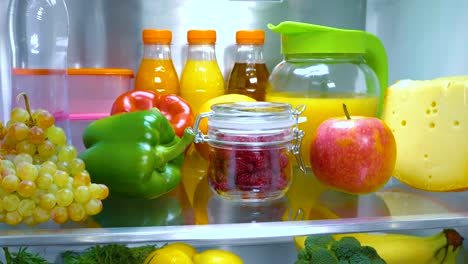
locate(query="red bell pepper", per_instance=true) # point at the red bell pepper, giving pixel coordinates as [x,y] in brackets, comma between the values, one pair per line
[174,108]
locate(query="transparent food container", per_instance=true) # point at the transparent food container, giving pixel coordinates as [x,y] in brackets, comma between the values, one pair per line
[251,147]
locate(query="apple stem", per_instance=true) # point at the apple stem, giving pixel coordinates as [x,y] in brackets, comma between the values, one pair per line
[345,109]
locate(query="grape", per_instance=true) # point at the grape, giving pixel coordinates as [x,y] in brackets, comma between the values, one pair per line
[10,183]
[64,197]
[81,179]
[60,215]
[13,218]
[18,131]
[41,215]
[44,181]
[36,197]
[26,207]
[46,149]
[43,118]
[36,135]
[10,202]
[8,171]
[47,167]
[95,191]
[47,201]
[37,160]
[63,165]
[9,143]
[19,115]
[61,178]
[56,135]
[29,220]
[82,194]
[2,217]
[77,165]
[105,192]
[1,206]
[2,130]
[23,157]
[53,188]
[26,147]
[67,153]
[27,171]
[76,212]
[7,164]
[53,158]
[26,188]
[93,207]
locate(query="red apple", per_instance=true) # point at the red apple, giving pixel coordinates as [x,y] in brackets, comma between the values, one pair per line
[353,154]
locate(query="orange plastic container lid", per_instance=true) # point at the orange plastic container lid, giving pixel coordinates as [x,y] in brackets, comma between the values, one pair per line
[157,36]
[256,37]
[21,71]
[100,71]
[201,36]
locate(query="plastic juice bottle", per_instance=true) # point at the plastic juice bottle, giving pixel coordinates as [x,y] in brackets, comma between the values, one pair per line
[201,77]
[249,75]
[157,72]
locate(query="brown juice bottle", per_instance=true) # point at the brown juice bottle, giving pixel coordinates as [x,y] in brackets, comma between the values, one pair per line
[249,76]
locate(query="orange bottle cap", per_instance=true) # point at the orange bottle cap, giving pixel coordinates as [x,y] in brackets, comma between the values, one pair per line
[157,36]
[256,37]
[201,36]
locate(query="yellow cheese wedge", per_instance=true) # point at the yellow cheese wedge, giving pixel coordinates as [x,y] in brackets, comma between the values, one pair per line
[430,122]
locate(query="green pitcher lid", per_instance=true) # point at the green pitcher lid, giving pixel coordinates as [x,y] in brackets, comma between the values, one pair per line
[297,37]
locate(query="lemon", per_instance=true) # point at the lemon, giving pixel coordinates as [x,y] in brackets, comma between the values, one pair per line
[203,148]
[186,248]
[168,256]
[216,256]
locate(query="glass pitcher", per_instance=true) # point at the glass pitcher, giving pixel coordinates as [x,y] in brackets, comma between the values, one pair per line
[324,68]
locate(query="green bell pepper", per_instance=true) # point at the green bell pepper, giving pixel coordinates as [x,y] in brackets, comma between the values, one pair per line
[136,154]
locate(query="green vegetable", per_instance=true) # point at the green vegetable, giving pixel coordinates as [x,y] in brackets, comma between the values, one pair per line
[109,254]
[136,154]
[323,241]
[372,254]
[346,247]
[323,256]
[324,249]
[23,257]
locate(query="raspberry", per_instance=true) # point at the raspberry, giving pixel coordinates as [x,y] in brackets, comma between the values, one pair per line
[252,169]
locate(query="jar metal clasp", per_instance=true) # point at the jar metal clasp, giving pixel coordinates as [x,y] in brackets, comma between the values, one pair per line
[298,136]
[199,136]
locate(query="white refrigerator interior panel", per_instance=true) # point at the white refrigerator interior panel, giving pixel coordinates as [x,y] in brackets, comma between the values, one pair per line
[424,39]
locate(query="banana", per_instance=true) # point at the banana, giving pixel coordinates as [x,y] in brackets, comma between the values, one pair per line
[441,248]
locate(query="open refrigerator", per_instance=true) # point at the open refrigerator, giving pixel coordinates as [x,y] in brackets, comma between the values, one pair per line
[423,40]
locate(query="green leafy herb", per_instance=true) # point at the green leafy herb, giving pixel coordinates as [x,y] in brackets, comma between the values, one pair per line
[109,254]
[23,257]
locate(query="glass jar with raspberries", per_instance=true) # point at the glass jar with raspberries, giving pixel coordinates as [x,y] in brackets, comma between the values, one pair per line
[252,145]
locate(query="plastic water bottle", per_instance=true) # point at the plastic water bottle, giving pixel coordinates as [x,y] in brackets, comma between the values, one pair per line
[38,33]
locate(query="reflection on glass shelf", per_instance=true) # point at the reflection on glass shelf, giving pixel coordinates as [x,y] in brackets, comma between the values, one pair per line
[307,208]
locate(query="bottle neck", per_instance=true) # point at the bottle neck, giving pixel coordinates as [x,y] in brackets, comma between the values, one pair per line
[157,51]
[204,52]
[249,53]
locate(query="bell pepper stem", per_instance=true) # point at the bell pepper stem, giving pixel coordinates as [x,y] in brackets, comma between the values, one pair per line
[166,154]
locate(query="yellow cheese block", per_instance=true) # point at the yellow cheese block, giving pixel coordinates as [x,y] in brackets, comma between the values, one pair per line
[430,122]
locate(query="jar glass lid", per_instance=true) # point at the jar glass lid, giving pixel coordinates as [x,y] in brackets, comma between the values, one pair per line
[251,115]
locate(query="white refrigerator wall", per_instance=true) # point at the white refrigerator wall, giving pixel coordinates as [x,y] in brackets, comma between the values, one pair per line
[424,39]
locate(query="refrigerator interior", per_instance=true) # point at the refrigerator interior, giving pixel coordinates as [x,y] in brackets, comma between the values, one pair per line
[423,39]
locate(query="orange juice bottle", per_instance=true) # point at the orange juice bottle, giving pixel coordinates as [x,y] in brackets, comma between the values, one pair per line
[201,77]
[157,72]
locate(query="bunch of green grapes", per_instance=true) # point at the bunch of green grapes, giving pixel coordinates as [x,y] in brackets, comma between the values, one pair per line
[41,177]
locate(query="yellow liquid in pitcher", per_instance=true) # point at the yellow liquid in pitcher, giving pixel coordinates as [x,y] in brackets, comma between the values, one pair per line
[318,109]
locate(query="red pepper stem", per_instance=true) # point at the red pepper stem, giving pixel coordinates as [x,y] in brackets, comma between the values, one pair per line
[166,154]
